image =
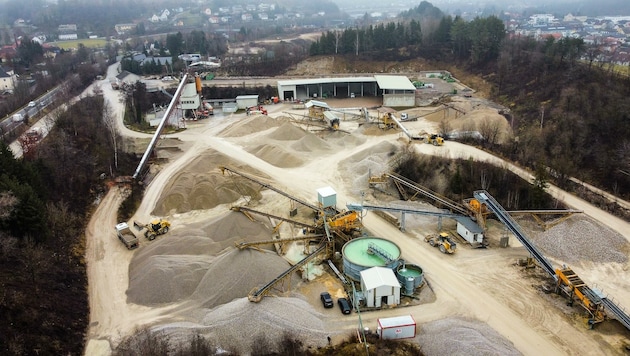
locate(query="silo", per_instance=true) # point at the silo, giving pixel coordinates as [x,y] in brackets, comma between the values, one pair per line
[410,277]
[358,256]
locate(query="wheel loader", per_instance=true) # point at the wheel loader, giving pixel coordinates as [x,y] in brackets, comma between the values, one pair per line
[434,139]
[442,241]
[154,228]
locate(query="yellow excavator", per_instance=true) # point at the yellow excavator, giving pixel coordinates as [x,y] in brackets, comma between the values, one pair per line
[154,228]
[442,241]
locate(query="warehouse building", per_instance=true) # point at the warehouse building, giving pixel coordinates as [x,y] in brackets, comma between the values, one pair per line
[396,91]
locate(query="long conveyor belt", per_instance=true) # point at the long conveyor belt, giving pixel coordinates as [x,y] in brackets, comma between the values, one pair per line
[269,186]
[485,197]
[257,295]
[428,193]
[616,310]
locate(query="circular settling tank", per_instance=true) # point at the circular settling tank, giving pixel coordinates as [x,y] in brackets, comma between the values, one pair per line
[359,254]
[410,277]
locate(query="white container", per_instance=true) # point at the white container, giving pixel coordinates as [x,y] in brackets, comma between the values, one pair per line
[399,327]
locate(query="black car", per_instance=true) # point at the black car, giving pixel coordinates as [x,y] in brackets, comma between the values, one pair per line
[344,305]
[326,299]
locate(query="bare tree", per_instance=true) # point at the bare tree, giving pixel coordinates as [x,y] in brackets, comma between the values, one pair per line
[109,119]
[490,130]
[444,127]
[337,40]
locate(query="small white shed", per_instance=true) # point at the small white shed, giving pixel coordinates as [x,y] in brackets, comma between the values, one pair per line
[469,230]
[380,286]
[246,101]
[327,197]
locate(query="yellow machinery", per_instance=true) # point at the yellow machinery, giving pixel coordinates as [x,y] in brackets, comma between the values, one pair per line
[154,228]
[434,139]
[346,221]
[573,286]
[442,241]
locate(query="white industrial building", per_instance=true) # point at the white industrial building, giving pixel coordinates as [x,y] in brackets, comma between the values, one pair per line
[380,286]
[246,101]
[396,90]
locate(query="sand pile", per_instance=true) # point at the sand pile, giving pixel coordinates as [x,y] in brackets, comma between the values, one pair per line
[287,132]
[454,336]
[276,155]
[250,125]
[581,239]
[178,264]
[310,143]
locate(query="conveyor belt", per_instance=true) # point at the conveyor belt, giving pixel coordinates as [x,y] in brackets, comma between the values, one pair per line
[249,210]
[268,186]
[429,194]
[257,295]
[617,311]
[485,197]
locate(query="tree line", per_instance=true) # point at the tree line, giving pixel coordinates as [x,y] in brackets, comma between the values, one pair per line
[478,41]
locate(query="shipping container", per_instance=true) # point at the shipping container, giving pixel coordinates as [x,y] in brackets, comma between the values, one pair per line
[400,327]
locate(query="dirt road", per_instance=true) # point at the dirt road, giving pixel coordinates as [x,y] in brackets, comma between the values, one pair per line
[483,285]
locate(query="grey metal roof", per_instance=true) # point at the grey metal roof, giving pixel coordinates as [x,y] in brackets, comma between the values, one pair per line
[469,224]
[317,103]
[325,80]
[394,82]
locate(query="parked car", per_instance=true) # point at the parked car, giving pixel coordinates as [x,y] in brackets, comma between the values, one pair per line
[32,104]
[327,300]
[167,78]
[344,305]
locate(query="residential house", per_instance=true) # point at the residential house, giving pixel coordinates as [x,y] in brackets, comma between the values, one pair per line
[7,80]
[123,28]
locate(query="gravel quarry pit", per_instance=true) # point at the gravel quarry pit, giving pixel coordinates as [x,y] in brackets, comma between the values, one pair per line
[194,280]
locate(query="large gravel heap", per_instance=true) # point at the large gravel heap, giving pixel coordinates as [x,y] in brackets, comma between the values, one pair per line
[579,238]
[465,337]
[200,263]
[201,185]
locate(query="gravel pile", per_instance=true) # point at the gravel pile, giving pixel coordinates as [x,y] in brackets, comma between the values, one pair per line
[184,264]
[237,272]
[250,125]
[276,155]
[456,336]
[309,143]
[371,161]
[582,239]
[234,326]
[287,132]
[201,185]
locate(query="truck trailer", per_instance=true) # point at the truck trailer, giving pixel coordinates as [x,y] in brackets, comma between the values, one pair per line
[126,236]
[399,327]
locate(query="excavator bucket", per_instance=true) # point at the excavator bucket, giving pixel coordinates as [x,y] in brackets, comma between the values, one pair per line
[138,225]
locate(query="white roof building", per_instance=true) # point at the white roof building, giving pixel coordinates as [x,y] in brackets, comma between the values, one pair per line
[380,286]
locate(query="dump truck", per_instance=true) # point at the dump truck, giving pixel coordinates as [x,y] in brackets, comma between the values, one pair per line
[442,241]
[126,236]
[154,228]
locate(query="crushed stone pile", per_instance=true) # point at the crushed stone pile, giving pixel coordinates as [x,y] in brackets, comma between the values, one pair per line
[580,238]
[287,132]
[457,336]
[310,143]
[201,185]
[236,273]
[371,161]
[250,125]
[236,325]
[184,261]
[242,327]
[276,155]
